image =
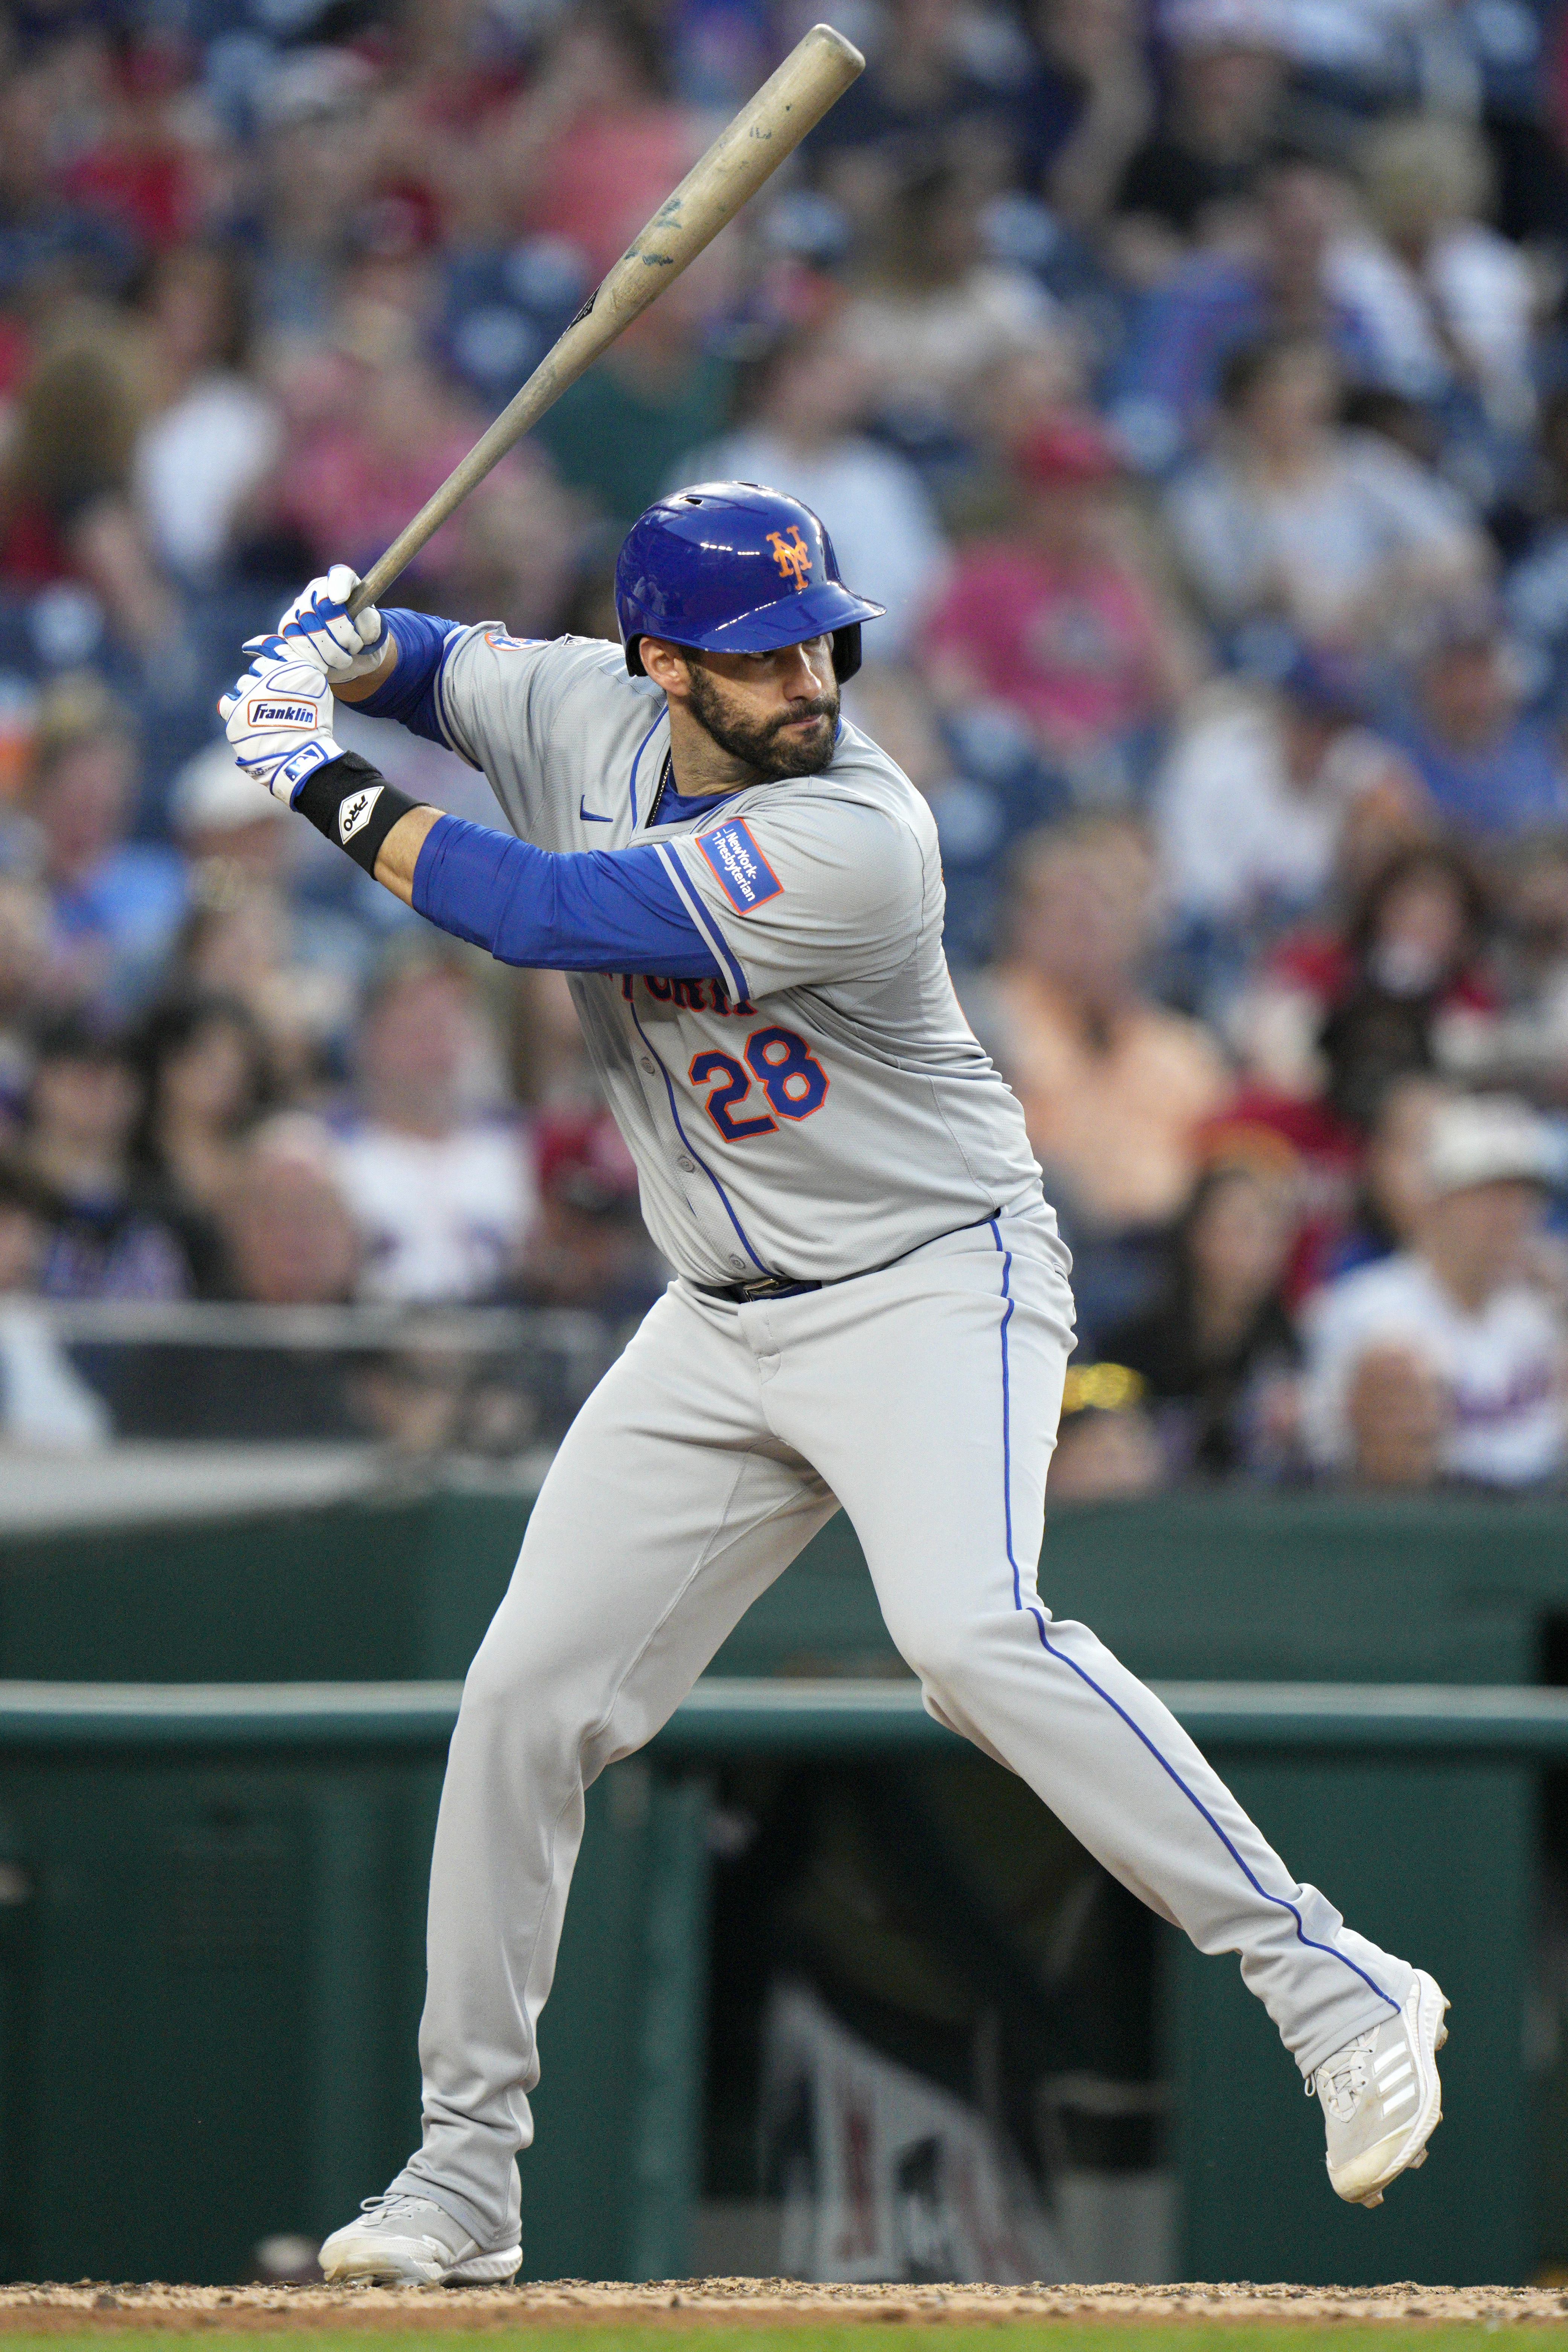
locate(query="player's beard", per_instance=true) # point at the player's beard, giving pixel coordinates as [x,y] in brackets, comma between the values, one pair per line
[762,742]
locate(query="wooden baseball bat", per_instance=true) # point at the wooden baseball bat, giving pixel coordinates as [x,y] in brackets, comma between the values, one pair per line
[792,102]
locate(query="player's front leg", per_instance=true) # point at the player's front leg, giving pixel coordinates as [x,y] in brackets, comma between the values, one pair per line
[928,1396]
[657,1527]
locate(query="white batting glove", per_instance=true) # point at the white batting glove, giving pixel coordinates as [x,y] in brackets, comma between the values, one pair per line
[278,717]
[317,628]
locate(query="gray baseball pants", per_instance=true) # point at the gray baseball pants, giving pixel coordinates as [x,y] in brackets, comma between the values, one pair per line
[924,1399]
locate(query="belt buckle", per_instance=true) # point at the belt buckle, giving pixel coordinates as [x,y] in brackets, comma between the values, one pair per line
[770,1285]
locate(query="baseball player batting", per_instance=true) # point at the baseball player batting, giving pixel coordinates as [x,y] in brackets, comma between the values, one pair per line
[870,1307]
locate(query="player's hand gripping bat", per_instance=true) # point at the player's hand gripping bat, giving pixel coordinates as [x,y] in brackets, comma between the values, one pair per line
[792,102]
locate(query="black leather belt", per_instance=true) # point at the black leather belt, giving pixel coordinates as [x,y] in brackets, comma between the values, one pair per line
[780,1286]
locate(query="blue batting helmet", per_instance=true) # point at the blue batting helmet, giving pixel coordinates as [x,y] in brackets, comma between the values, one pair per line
[729,567]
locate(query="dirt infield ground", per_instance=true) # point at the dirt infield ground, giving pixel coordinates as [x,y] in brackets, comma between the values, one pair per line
[730,2307]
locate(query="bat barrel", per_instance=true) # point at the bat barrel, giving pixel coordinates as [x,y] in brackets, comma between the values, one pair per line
[747,152]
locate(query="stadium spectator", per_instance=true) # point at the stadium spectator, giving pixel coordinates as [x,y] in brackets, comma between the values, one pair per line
[206,1084]
[1107,1445]
[660,389]
[1219,117]
[289,1238]
[1417,972]
[49,243]
[24,928]
[442,1191]
[587,1247]
[1058,620]
[1334,531]
[803,431]
[215,432]
[114,904]
[137,159]
[44,1402]
[254,934]
[1526,1046]
[1341,1010]
[1055,229]
[595,145]
[215,813]
[105,1239]
[278,887]
[65,478]
[1491,771]
[548,1064]
[1448,301]
[1167,376]
[1458,1307]
[1393,1187]
[1251,803]
[315,165]
[1396,1416]
[389,437]
[288,1241]
[930,86]
[1536,588]
[932,312]
[517,547]
[1087,106]
[1217,1351]
[418,1399]
[1115,1088]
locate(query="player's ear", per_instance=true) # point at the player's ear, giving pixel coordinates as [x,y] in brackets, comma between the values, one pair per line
[666,665]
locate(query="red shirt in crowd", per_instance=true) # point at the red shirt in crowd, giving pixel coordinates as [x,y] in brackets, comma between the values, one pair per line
[1073,650]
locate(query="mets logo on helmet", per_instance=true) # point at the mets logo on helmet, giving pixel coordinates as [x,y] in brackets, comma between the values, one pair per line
[792,554]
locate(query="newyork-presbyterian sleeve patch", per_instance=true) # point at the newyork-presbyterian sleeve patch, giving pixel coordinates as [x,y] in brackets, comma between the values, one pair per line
[744,872]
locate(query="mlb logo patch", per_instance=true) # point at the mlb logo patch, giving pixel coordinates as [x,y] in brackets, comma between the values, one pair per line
[304,763]
[747,876]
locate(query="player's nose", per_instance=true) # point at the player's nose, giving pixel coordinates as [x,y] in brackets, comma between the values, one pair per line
[808,670]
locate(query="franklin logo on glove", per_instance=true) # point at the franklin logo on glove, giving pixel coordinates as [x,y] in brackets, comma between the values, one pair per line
[261,713]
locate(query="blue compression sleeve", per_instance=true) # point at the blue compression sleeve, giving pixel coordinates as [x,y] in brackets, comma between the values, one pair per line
[409,694]
[581,910]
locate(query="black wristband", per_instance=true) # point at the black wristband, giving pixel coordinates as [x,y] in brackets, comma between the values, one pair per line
[352,804]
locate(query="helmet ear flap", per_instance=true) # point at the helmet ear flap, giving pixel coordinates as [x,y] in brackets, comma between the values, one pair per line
[846,651]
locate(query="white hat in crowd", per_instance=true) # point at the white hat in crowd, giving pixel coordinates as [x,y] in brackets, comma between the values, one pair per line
[1491,1139]
[212,794]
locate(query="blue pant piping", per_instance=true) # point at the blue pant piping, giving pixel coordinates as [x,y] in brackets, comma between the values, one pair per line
[1062,1659]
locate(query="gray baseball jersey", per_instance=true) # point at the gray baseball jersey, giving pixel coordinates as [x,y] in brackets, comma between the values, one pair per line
[825,1108]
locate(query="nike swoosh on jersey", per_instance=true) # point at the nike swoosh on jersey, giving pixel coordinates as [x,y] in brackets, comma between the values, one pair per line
[591,816]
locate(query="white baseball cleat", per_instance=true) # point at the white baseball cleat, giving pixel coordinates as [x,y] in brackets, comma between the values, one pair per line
[1381,2098]
[401,2240]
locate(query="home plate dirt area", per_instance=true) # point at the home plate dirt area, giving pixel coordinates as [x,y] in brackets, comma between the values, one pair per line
[608,2316]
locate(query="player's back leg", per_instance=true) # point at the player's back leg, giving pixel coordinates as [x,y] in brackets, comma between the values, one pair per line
[671,1505]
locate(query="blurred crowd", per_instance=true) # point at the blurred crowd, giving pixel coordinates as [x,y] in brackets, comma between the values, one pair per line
[1189,379]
